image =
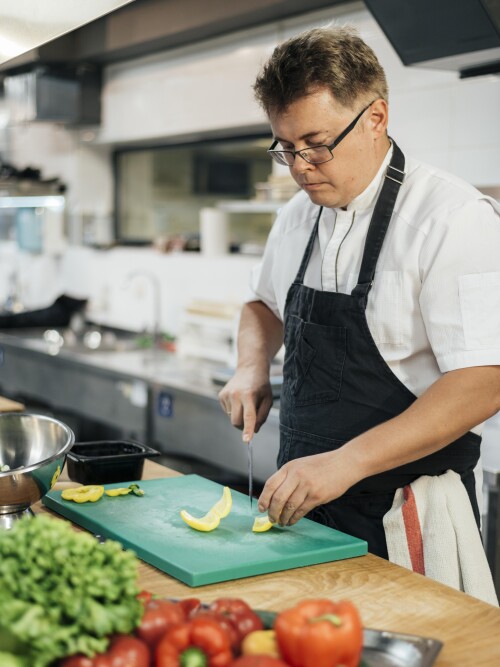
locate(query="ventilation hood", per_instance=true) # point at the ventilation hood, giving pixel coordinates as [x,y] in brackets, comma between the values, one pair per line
[458,35]
[26,24]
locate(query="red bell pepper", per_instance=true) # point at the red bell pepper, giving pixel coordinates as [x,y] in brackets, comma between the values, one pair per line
[200,642]
[320,633]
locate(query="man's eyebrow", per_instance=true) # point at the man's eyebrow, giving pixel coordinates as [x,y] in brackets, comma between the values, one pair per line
[303,137]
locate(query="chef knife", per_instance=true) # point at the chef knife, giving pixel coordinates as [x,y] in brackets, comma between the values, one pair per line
[250,471]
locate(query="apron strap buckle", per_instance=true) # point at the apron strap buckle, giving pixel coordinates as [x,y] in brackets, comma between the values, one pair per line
[395,175]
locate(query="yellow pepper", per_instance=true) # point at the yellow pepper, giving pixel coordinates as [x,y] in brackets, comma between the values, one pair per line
[122,491]
[83,494]
[261,642]
[55,476]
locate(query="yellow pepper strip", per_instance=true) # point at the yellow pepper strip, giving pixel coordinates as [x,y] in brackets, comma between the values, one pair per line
[261,642]
[83,494]
[122,491]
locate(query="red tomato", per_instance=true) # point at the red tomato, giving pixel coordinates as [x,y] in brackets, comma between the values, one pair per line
[159,616]
[225,623]
[189,605]
[77,661]
[239,613]
[124,651]
[144,596]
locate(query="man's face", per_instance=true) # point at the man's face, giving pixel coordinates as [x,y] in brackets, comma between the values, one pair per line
[317,119]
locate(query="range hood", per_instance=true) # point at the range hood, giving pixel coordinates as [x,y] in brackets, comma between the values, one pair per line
[458,35]
[64,92]
[26,24]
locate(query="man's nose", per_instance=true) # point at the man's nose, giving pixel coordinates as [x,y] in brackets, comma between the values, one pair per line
[300,165]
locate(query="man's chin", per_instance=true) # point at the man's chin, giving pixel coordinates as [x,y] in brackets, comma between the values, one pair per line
[324,199]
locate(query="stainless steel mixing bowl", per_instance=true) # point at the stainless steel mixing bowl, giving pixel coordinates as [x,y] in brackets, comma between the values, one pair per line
[35,448]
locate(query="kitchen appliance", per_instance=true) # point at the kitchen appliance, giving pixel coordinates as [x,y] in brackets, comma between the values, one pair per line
[152,527]
[34,447]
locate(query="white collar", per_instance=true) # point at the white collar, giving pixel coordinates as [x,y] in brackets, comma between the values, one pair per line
[368,197]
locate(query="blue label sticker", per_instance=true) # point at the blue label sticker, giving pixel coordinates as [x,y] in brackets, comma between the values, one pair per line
[165,404]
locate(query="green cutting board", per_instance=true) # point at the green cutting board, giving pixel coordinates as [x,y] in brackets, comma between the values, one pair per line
[152,527]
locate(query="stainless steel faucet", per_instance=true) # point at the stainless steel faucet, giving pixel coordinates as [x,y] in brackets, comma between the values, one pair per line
[156,289]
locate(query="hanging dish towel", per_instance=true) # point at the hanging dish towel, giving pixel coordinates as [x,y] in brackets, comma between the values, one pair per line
[431,529]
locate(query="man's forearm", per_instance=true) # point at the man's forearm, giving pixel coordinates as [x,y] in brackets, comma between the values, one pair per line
[452,406]
[260,335]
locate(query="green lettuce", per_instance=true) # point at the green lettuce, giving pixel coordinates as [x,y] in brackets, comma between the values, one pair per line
[62,592]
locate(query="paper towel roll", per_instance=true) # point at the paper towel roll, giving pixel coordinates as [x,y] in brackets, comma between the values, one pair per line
[213,232]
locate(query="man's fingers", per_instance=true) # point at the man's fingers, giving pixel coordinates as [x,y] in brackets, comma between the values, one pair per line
[273,483]
[293,507]
[249,420]
[263,411]
[277,492]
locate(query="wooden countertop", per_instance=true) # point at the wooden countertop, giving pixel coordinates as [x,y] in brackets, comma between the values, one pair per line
[7,405]
[389,597]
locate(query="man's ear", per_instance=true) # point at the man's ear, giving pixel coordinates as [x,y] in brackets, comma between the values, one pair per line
[379,118]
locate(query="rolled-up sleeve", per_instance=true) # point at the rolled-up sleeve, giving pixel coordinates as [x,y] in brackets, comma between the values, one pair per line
[261,286]
[460,295]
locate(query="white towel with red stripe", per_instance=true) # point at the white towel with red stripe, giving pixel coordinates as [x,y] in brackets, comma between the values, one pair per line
[431,529]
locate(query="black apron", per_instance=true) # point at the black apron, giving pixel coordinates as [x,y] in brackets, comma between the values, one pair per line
[337,385]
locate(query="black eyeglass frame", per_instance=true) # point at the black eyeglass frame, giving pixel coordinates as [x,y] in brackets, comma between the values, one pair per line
[330,147]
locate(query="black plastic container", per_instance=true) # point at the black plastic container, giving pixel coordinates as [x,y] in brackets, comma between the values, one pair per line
[107,461]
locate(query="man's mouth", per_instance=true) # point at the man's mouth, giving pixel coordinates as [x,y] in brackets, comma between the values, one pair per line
[310,186]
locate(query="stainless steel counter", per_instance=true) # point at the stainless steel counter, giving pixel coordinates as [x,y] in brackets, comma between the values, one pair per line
[169,402]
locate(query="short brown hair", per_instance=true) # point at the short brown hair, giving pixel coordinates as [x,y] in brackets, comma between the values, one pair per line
[332,57]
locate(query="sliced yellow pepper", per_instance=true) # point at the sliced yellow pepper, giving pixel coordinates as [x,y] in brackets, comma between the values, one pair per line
[122,491]
[83,494]
[55,476]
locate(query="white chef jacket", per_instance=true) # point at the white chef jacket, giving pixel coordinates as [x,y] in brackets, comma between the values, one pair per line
[435,301]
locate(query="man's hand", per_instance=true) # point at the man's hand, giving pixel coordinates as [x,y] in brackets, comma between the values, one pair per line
[247,399]
[302,484]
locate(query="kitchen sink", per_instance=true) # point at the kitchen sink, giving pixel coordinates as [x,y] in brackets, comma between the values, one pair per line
[93,339]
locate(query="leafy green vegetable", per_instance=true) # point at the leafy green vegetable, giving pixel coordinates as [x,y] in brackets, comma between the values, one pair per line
[62,592]
[10,660]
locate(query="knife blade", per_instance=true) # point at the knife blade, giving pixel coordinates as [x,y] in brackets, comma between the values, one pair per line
[250,471]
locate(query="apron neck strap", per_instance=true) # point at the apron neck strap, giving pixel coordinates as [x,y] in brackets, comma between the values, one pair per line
[379,223]
[308,251]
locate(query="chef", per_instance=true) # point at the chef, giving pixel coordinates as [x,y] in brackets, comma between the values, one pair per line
[382,278]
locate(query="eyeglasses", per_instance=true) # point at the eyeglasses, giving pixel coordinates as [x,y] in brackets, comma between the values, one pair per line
[314,154]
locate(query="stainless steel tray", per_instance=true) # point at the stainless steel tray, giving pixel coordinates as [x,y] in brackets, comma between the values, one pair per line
[392,649]
[387,649]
